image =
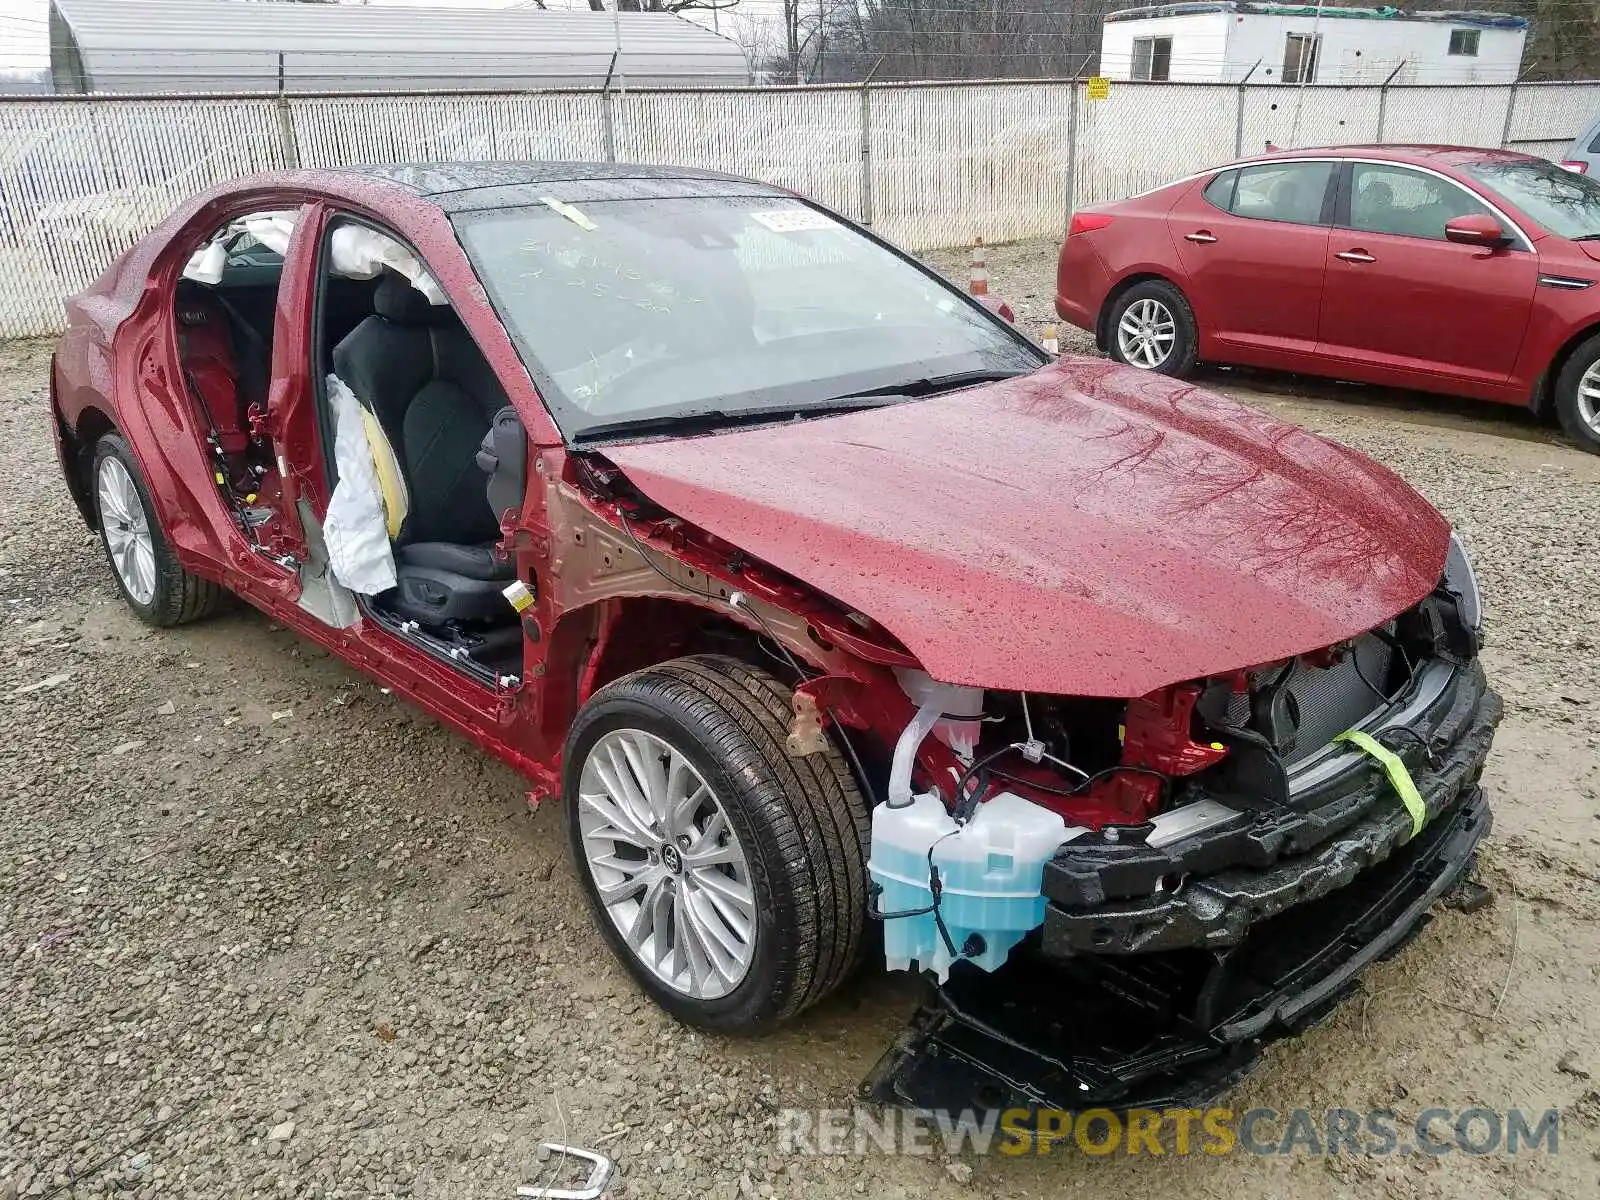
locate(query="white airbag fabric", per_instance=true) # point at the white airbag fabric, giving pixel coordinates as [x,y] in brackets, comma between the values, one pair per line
[357,528]
[206,263]
[361,253]
[271,229]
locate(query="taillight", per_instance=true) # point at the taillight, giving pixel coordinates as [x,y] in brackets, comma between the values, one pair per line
[1578,166]
[1087,222]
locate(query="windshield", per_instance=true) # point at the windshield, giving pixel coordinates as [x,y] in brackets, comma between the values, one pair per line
[1562,201]
[645,310]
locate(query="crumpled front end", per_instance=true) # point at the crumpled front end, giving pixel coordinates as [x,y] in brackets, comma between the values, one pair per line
[1168,1028]
[1174,947]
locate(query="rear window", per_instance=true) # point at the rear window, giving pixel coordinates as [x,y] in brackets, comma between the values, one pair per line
[1220,190]
[1284,191]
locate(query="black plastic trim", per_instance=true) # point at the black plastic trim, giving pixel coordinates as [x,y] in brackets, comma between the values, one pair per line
[1356,805]
[1167,1029]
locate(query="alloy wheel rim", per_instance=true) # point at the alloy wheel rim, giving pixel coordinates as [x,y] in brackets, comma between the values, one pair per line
[666,864]
[126,529]
[1589,398]
[1146,334]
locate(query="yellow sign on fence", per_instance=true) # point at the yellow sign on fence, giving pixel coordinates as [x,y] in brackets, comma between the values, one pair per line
[1099,87]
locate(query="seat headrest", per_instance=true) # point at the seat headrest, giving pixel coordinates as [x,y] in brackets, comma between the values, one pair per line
[397,301]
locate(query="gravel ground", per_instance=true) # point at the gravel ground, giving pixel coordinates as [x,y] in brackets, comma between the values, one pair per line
[266,930]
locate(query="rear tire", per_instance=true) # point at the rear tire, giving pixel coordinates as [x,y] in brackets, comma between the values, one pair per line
[1578,395]
[792,849]
[148,575]
[1151,328]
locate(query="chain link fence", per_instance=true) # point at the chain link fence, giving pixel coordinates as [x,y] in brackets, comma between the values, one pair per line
[926,165]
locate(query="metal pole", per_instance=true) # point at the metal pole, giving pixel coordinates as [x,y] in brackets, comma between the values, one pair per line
[1238,120]
[1305,76]
[1383,97]
[288,144]
[605,110]
[866,144]
[1511,110]
[616,32]
[1072,143]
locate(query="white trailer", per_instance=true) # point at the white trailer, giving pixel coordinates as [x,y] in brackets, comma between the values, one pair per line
[1225,40]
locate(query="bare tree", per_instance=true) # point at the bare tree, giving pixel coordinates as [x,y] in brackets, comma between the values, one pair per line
[666,6]
[961,39]
[1563,35]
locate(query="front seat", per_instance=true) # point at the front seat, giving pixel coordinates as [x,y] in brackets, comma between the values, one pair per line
[415,367]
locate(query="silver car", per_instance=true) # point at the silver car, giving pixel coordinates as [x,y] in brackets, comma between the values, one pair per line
[1583,155]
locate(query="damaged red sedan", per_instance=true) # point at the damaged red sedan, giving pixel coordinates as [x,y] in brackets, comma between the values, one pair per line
[842,620]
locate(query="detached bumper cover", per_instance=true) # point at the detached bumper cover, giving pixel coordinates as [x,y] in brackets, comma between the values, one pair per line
[1174,1029]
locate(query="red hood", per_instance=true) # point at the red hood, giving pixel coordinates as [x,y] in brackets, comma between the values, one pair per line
[1087,530]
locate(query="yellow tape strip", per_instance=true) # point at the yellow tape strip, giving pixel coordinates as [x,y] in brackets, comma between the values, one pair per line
[578,218]
[1399,778]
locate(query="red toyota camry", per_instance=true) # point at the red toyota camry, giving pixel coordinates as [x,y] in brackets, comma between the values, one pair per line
[1442,268]
[817,595]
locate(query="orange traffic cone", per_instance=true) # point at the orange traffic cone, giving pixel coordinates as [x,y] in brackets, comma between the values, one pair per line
[978,279]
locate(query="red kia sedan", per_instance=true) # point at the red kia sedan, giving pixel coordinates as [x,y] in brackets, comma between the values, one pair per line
[1441,268]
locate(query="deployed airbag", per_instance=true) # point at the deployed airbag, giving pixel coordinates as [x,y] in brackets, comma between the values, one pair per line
[205,264]
[271,229]
[361,253]
[357,528]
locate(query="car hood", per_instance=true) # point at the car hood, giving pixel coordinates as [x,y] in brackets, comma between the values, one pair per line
[1086,530]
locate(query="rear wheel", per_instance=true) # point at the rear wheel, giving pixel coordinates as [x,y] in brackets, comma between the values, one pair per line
[1578,395]
[1152,328]
[148,575]
[729,877]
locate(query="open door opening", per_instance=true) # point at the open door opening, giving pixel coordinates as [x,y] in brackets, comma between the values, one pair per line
[425,455]
[223,316]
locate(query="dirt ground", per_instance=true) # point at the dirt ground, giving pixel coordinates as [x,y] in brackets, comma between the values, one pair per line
[267,930]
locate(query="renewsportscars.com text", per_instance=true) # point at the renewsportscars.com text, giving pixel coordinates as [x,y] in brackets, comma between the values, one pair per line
[1172,1131]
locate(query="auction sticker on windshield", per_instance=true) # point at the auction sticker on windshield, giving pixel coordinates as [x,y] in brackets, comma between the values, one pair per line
[792,220]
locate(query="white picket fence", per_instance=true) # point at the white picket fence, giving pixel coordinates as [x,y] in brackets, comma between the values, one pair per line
[925,164]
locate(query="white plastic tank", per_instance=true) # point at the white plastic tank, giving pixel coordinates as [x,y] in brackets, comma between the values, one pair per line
[991,871]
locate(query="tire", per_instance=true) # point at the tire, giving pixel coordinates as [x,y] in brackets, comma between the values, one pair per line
[800,825]
[147,573]
[1578,395]
[1157,307]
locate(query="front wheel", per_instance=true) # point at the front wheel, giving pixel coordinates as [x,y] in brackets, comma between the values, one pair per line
[1578,395]
[729,877]
[1152,328]
[147,572]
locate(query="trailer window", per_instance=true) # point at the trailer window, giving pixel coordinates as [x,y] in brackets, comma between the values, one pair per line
[1152,59]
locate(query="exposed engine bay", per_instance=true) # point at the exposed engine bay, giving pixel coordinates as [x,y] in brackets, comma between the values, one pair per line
[1239,737]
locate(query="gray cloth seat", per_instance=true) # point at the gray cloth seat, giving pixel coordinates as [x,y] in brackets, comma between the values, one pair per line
[415,367]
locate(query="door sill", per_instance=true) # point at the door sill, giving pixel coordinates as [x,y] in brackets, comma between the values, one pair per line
[438,648]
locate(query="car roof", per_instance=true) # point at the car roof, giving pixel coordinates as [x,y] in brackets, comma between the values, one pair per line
[1435,155]
[467,186]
